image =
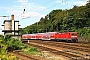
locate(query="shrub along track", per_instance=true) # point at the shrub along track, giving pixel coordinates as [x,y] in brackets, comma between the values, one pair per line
[70,50]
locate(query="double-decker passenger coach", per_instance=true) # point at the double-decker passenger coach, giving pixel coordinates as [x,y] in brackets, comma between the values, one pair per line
[68,36]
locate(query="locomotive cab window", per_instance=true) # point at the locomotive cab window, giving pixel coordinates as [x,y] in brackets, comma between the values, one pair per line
[73,34]
[69,34]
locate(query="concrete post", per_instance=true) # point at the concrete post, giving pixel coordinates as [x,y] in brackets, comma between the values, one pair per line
[28,41]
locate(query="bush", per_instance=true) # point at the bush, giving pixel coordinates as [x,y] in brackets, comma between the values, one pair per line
[3,49]
[4,55]
[85,32]
[33,49]
[9,44]
[7,57]
[30,50]
[13,44]
[1,37]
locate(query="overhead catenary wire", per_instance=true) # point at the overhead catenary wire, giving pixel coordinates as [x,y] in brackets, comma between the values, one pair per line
[44,9]
[47,8]
[5,16]
[35,7]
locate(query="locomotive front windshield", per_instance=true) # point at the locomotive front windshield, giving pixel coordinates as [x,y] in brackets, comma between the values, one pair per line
[74,34]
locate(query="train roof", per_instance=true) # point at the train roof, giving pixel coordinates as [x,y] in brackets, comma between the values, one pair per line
[52,32]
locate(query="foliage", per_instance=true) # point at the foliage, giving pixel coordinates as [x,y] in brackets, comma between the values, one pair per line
[4,55]
[30,50]
[84,32]
[7,57]
[1,37]
[9,44]
[33,49]
[3,49]
[13,44]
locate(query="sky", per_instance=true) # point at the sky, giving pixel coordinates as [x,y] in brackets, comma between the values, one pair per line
[34,9]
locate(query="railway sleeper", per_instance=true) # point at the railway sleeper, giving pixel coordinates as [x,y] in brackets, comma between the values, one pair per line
[63,53]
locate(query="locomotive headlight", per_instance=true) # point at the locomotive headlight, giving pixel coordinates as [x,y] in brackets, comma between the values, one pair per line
[74,36]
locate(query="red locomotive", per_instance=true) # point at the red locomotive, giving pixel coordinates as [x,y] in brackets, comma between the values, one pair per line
[68,36]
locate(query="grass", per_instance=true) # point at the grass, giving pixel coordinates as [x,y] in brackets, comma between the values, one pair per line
[30,50]
[34,53]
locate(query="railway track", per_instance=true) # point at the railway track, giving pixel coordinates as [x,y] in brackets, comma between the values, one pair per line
[71,50]
[26,56]
[79,44]
[75,47]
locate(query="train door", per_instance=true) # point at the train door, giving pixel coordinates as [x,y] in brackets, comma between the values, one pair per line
[46,36]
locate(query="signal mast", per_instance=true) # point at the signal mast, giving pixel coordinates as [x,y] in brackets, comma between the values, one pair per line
[24,10]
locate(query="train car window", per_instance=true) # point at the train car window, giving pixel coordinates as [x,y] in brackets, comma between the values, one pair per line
[75,34]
